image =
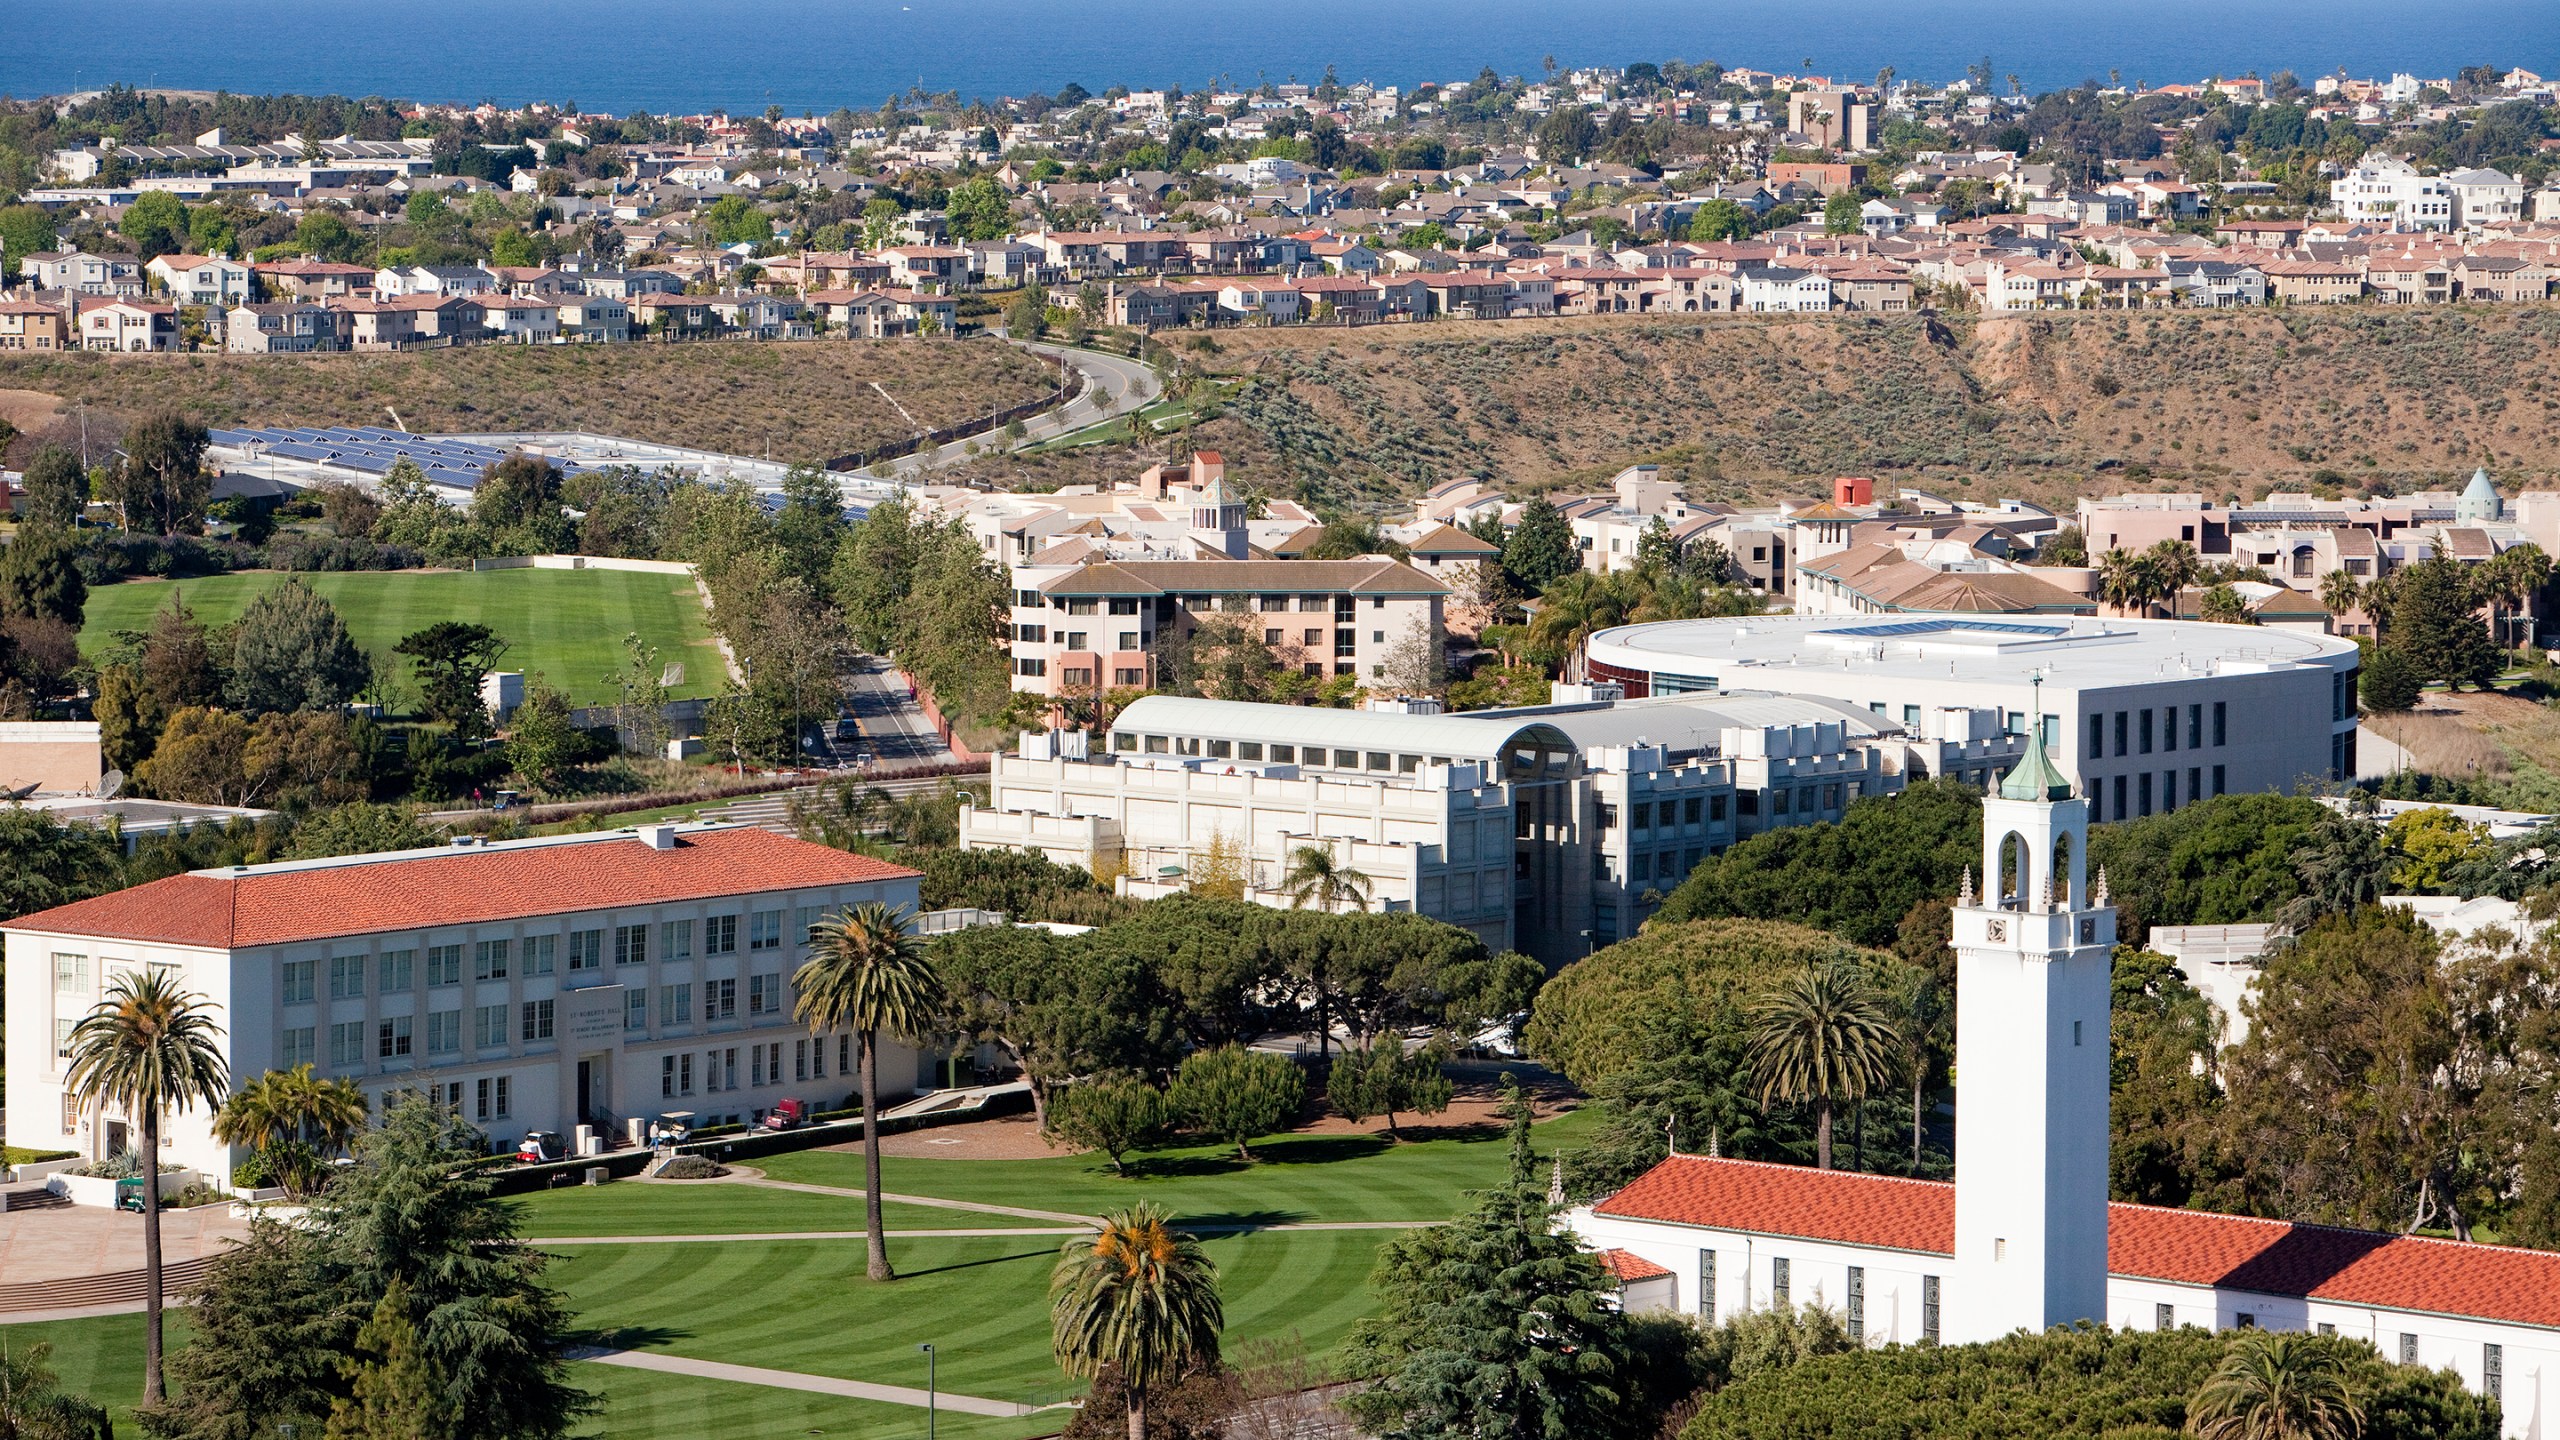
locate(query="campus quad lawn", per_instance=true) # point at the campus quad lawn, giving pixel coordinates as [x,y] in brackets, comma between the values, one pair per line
[982,1303]
[628,1207]
[567,624]
[1291,1178]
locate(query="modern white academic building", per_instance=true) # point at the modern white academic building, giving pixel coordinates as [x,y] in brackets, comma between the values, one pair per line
[2142,715]
[543,984]
[1553,829]
[2025,1237]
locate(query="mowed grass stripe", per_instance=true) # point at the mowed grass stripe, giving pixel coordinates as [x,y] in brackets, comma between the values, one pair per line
[629,1208]
[643,1406]
[1292,1177]
[983,1304]
[567,624]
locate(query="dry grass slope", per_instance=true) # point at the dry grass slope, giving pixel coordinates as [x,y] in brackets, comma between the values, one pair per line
[809,400]
[2048,405]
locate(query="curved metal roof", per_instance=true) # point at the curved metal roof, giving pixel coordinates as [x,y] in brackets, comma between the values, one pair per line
[1457,737]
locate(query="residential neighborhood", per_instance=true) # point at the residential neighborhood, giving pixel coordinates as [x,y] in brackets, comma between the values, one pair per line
[1280,757]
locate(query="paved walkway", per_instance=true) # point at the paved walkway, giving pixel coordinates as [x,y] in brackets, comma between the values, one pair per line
[78,1241]
[795,1380]
[936,1202]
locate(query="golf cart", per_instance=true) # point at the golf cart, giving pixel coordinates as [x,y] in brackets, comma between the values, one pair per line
[672,1127]
[129,1194]
[786,1113]
[539,1146]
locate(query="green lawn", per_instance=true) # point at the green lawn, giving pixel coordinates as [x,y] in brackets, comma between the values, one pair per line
[567,624]
[1293,1178]
[629,1208]
[981,1303]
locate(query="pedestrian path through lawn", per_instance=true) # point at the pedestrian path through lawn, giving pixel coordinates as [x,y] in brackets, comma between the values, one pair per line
[795,1380]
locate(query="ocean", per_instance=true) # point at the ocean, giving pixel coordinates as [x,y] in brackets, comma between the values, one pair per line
[687,56]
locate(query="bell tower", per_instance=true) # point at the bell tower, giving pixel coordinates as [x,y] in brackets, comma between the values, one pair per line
[2033,955]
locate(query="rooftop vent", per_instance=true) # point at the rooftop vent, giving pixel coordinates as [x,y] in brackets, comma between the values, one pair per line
[658,837]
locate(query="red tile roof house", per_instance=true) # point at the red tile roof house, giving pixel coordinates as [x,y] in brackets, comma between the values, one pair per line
[533,984]
[1739,1234]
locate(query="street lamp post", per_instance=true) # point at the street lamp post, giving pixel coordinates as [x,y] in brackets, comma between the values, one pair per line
[929,1363]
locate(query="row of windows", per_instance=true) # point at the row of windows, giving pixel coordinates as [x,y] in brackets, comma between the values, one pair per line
[2133,794]
[2493,1358]
[1644,815]
[394,972]
[2138,729]
[719,1068]
[1782,1283]
[1255,750]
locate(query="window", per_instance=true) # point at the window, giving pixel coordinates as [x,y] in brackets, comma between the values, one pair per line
[1779,1280]
[675,940]
[2123,720]
[586,950]
[391,1038]
[1707,1286]
[489,1027]
[2195,726]
[2164,1317]
[1857,1302]
[444,1032]
[346,977]
[1999,1250]
[720,935]
[2217,780]
[489,960]
[1929,1308]
[675,1074]
[444,964]
[493,1099]
[346,1045]
[764,994]
[2169,790]
[2119,809]
[719,999]
[800,1059]
[537,1020]
[844,1054]
[2097,742]
[71,974]
[675,1004]
[396,970]
[299,1047]
[299,978]
[635,1009]
[2493,1370]
[1284,754]
[1128,675]
[2244,1321]
[541,954]
[2144,730]
[630,944]
[2326,1328]
[1715,807]
[2221,717]
[2408,1348]
[1689,809]
[764,930]
[1608,817]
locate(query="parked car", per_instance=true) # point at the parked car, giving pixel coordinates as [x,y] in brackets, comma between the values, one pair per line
[786,1113]
[539,1146]
[865,759]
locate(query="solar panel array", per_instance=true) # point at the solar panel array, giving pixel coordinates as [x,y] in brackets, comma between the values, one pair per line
[371,451]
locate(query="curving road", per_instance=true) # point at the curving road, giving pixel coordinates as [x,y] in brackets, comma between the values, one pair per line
[1115,385]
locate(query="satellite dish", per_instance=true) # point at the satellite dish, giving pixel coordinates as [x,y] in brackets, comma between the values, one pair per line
[21,792]
[111,785]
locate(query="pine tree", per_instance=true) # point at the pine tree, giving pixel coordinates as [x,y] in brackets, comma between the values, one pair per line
[2435,627]
[392,1395]
[1540,548]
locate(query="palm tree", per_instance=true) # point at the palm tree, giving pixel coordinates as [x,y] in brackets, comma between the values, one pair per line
[1139,1299]
[1316,878]
[2273,1386]
[2339,593]
[2174,567]
[147,1047]
[293,1118]
[867,973]
[1821,1036]
[2123,581]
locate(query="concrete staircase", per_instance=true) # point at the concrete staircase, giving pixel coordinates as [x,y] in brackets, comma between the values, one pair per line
[124,1287]
[33,1198]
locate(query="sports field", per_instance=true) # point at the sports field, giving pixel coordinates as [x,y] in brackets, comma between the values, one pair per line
[804,1305]
[567,624]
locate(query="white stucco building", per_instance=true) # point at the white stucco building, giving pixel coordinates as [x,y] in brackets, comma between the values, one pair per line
[2141,715]
[531,984]
[2025,1237]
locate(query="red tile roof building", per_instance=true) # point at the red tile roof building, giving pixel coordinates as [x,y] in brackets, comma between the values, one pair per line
[536,984]
[2488,1312]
